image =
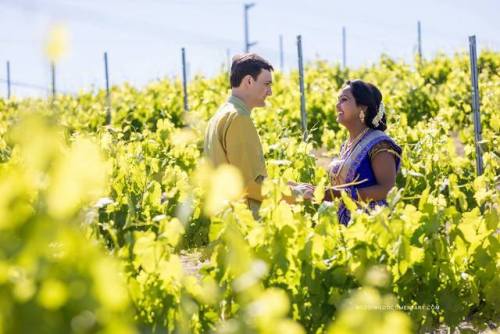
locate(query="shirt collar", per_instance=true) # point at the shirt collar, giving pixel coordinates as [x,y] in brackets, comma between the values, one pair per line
[239,104]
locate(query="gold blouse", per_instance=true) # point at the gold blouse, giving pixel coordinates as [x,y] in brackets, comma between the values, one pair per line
[383,146]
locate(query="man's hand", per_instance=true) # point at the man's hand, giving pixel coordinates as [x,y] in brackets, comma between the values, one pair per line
[330,194]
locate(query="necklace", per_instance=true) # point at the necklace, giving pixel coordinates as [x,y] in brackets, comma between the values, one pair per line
[350,145]
[347,150]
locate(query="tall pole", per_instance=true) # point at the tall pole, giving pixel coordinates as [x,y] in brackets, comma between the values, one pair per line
[248,44]
[108,94]
[419,32]
[184,80]
[303,116]
[8,80]
[475,104]
[229,64]
[53,75]
[344,60]
[282,61]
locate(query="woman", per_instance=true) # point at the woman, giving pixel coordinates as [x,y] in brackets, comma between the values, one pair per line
[369,159]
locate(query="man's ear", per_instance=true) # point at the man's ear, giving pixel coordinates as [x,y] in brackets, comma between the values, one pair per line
[248,79]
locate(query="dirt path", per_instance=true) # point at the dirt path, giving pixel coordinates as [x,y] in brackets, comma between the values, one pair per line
[323,159]
[192,262]
[459,147]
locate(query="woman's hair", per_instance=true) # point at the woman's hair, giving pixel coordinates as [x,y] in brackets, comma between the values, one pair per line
[247,64]
[367,94]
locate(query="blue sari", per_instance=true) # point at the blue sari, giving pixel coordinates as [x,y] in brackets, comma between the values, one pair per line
[357,168]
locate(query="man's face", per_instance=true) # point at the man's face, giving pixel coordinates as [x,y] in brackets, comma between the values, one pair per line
[260,89]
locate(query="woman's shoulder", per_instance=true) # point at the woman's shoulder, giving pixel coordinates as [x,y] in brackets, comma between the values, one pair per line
[384,143]
[379,136]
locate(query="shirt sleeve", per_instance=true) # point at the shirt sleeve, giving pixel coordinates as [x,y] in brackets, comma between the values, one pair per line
[244,151]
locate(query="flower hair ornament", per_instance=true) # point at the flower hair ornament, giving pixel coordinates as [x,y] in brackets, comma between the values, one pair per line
[381,111]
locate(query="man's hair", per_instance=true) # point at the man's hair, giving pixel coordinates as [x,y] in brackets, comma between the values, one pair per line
[247,64]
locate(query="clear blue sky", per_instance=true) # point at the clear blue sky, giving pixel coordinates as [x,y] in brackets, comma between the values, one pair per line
[144,38]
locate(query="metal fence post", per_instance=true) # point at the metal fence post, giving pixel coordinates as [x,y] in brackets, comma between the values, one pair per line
[8,80]
[248,44]
[419,33]
[53,75]
[282,58]
[475,104]
[108,94]
[184,80]
[344,47]
[303,116]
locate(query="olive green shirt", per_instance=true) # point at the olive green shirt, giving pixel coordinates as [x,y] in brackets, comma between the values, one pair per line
[231,138]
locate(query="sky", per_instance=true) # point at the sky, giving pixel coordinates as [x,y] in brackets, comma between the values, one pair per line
[144,38]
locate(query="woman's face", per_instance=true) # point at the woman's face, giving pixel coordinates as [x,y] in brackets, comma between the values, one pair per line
[347,109]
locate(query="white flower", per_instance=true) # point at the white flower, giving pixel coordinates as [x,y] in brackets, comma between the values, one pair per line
[159,218]
[102,202]
[381,110]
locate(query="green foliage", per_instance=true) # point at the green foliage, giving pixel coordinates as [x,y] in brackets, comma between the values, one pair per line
[94,220]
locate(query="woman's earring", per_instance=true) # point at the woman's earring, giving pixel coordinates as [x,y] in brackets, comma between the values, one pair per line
[362,116]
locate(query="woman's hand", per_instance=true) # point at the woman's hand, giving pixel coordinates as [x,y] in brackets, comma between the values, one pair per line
[304,190]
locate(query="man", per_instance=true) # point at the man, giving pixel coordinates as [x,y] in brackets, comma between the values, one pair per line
[231,136]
